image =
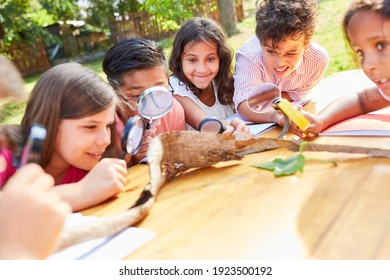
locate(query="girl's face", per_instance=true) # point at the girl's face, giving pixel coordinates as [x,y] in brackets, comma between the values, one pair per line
[282,59]
[82,142]
[135,82]
[369,34]
[200,62]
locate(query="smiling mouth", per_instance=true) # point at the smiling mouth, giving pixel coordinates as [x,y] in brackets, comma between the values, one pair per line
[202,77]
[381,81]
[95,154]
[279,70]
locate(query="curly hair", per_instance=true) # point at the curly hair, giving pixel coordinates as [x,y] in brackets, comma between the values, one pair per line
[277,20]
[204,29]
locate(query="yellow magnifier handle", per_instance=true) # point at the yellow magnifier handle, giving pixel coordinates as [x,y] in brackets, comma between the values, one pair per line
[293,114]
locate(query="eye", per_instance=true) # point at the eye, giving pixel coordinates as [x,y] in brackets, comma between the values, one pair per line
[210,59]
[90,127]
[191,59]
[381,45]
[270,51]
[291,53]
[359,53]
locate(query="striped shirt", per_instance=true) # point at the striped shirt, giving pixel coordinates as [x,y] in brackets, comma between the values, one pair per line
[250,71]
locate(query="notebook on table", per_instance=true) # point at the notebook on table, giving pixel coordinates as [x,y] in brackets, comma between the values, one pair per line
[362,125]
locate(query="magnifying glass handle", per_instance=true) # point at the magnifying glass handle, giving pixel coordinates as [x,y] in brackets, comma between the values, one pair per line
[123,155]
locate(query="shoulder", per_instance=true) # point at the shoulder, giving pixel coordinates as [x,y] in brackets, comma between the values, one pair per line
[251,48]
[180,88]
[173,81]
[316,52]
[174,120]
[177,108]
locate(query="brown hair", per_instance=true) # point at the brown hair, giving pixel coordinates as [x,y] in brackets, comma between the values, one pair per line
[277,20]
[381,7]
[66,91]
[203,29]
[11,82]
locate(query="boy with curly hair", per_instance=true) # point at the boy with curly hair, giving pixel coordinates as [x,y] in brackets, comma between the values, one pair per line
[282,53]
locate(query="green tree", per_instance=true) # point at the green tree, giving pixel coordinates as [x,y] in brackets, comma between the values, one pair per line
[23,20]
[99,12]
[228,17]
[171,13]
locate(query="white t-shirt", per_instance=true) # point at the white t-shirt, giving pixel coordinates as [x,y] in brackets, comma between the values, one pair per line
[217,110]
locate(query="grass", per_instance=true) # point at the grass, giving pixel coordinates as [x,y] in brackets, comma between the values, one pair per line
[329,35]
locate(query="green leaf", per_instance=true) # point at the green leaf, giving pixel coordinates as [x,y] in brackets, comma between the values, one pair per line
[282,167]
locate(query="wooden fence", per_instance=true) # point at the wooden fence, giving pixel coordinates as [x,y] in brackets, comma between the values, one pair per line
[28,58]
[33,58]
[144,25]
[139,24]
[76,42]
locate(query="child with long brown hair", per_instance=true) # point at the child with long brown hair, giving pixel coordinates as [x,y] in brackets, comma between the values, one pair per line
[77,109]
[202,79]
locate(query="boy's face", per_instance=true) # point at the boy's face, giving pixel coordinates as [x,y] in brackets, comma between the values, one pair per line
[135,82]
[282,59]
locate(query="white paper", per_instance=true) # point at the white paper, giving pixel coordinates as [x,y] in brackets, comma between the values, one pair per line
[108,248]
[254,127]
[257,129]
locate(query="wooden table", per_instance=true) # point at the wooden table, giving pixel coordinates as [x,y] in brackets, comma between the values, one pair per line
[235,211]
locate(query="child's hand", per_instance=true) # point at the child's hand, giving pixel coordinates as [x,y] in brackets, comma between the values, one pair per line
[31,215]
[149,134]
[106,179]
[315,127]
[238,128]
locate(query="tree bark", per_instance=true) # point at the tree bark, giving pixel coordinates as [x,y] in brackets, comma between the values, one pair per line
[227,13]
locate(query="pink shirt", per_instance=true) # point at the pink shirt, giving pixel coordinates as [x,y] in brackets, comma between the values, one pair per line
[6,169]
[73,174]
[173,121]
[250,71]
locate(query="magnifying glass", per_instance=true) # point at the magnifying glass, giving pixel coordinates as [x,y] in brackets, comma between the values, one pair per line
[211,124]
[154,103]
[260,97]
[32,149]
[132,136]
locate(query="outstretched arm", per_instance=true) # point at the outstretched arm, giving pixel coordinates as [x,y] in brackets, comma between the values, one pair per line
[349,106]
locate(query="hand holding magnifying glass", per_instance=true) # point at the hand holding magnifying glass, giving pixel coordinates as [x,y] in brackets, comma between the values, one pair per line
[261,97]
[132,136]
[153,104]
[32,149]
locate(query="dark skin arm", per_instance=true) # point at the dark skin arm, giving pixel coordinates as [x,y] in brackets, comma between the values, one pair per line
[362,102]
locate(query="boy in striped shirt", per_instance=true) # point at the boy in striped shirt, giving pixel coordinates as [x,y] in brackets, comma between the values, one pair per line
[282,53]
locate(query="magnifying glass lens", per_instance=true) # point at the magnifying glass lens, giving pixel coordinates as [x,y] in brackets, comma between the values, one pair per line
[214,126]
[155,102]
[260,98]
[134,138]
